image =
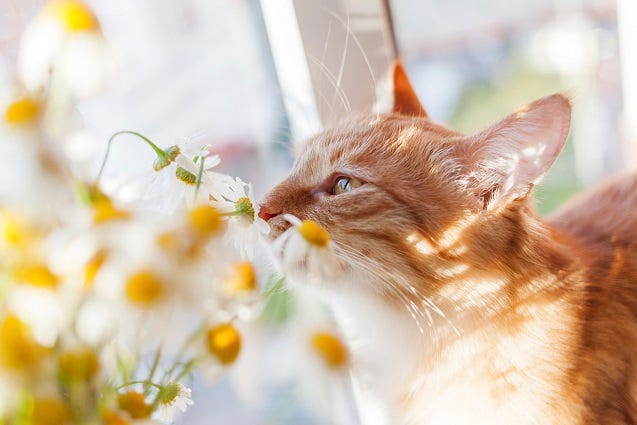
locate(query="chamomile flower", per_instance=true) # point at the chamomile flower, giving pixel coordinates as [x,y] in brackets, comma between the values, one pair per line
[140,282]
[305,251]
[25,151]
[174,184]
[219,347]
[173,396]
[325,384]
[64,41]
[20,110]
[236,199]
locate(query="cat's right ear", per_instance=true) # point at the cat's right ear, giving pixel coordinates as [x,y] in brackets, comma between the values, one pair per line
[505,161]
[405,100]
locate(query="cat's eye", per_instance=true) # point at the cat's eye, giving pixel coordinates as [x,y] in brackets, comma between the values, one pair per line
[345,184]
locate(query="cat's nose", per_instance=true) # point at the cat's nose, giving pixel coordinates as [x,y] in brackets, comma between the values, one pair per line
[266,213]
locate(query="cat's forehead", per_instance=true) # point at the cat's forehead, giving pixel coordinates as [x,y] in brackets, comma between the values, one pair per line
[364,143]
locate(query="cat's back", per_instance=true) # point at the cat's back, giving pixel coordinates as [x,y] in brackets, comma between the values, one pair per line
[600,227]
[603,218]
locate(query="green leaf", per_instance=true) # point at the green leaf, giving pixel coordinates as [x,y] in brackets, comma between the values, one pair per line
[279,302]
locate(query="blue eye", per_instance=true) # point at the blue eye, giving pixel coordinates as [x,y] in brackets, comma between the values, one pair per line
[345,184]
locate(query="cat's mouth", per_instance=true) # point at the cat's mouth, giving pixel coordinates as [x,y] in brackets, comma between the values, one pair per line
[278,226]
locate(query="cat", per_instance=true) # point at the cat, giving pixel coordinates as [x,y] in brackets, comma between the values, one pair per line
[460,304]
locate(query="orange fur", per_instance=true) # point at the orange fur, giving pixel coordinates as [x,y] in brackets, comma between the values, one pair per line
[502,317]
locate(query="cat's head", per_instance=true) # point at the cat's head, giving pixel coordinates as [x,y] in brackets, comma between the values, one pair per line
[401,195]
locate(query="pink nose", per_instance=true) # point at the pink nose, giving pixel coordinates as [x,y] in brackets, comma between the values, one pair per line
[266,213]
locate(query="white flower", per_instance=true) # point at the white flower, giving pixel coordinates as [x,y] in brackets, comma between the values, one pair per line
[173,396]
[236,199]
[174,186]
[306,353]
[304,252]
[26,154]
[64,41]
[20,113]
[47,312]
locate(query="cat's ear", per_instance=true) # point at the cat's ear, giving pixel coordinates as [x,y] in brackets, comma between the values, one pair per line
[405,100]
[506,160]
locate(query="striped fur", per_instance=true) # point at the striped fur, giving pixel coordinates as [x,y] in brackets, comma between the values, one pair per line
[462,304]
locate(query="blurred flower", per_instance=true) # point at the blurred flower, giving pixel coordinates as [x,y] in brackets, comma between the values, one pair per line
[205,220]
[80,365]
[173,396]
[330,349]
[236,199]
[23,111]
[134,403]
[224,343]
[50,410]
[241,279]
[19,351]
[64,42]
[305,251]
[326,386]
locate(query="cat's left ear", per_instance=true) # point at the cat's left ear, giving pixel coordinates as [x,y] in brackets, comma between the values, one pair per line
[405,99]
[506,160]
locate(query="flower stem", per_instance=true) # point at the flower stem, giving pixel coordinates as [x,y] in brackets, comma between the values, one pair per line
[129,383]
[153,146]
[153,369]
[182,350]
[202,160]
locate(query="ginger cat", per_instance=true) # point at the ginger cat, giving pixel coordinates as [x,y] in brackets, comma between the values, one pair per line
[462,305]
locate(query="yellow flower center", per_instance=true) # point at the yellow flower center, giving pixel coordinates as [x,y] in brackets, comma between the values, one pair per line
[135,404]
[313,233]
[110,417]
[13,230]
[22,111]
[168,240]
[36,274]
[205,220]
[244,208]
[18,349]
[104,210]
[73,15]
[50,411]
[92,267]
[81,365]
[242,277]
[144,288]
[224,342]
[330,348]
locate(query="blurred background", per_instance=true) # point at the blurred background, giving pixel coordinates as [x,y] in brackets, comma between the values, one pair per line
[254,78]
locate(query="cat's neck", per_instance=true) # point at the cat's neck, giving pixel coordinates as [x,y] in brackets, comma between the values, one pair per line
[477,347]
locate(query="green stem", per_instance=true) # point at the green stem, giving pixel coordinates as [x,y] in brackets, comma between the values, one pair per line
[128,384]
[182,350]
[154,147]
[153,369]
[188,367]
[199,174]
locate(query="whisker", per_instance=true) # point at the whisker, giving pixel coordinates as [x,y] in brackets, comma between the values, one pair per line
[358,44]
[411,307]
[398,288]
[332,79]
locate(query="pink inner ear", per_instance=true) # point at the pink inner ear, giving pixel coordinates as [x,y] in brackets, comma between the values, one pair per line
[512,155]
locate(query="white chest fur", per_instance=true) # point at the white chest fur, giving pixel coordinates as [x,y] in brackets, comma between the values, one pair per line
[482,377]
[385,347]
